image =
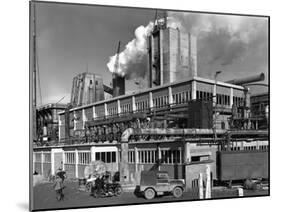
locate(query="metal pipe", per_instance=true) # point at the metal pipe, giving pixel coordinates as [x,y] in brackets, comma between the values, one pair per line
[246,80]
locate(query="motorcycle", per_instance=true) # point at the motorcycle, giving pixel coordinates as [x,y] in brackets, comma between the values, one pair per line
[107,190]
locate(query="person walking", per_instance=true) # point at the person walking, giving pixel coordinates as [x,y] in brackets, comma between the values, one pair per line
[58,186]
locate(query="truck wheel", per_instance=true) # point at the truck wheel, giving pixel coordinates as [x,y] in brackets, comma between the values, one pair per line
[118,191]
[88,187]
[177,192]
[149,193]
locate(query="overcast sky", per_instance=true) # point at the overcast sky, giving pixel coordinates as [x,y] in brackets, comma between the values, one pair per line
[72,39]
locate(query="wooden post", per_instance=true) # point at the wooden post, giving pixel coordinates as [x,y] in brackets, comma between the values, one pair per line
[208,184]
[240,192]
[201,195]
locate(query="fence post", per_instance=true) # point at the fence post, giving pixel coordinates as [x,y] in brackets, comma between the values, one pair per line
[76,163]
[240,192]
[201,196]
[208,184]
[42,165]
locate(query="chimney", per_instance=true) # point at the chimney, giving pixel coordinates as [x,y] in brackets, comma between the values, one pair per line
[118,85]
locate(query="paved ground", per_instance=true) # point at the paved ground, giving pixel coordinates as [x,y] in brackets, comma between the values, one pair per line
[45,198]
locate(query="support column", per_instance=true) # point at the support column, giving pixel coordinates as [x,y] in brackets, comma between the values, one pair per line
[124,163]
[105,109]
[124,168]
[231,97]
[215,95]
[76,163]
[170,93]
[93,154]
[136,159]
[150,100]
[133,103]
[84,118]
[94,112]
[118,107]
[193,90]
[57,156]
[187,155]
[63,161]
[159,157]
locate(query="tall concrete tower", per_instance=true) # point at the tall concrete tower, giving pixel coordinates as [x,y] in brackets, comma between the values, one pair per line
[172,55]
[87,88]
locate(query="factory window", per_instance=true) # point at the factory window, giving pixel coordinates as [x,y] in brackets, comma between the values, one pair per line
[84,158]
[237,101]
[199,158]
[263,147]
[106,157]
[131,156]
[47,157]
[37,156]
[162,100]
[112,111]
[170,156]
[166,100]
[147,156]
[69,157]
[126,108]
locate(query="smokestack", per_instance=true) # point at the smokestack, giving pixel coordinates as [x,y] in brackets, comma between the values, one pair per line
[247,80]
[118,85]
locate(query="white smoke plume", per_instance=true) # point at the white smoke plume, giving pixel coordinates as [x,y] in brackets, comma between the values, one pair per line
[133,59]
[221,41]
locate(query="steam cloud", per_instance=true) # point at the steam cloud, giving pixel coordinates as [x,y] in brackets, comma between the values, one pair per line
[132,61]
[221,39]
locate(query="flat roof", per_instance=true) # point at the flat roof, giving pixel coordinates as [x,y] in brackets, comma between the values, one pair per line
[197,79]
[52,105]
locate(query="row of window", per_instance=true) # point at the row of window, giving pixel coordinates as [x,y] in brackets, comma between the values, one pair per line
[178,98]
[70,157]
[46,157]
[263,147]
[204,95]
[151,156]
[181,97]
[160,101]
[84,158]
[37,157]
[238,101]
[106,157]
[126,108]
[223,99]
[112,111]
[142,105]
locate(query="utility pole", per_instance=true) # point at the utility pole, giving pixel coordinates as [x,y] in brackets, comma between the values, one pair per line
[34,115]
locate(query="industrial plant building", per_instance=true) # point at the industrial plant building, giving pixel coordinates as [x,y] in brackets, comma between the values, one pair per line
[177,124]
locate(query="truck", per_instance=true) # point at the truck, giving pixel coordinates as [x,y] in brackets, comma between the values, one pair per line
[154,183]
